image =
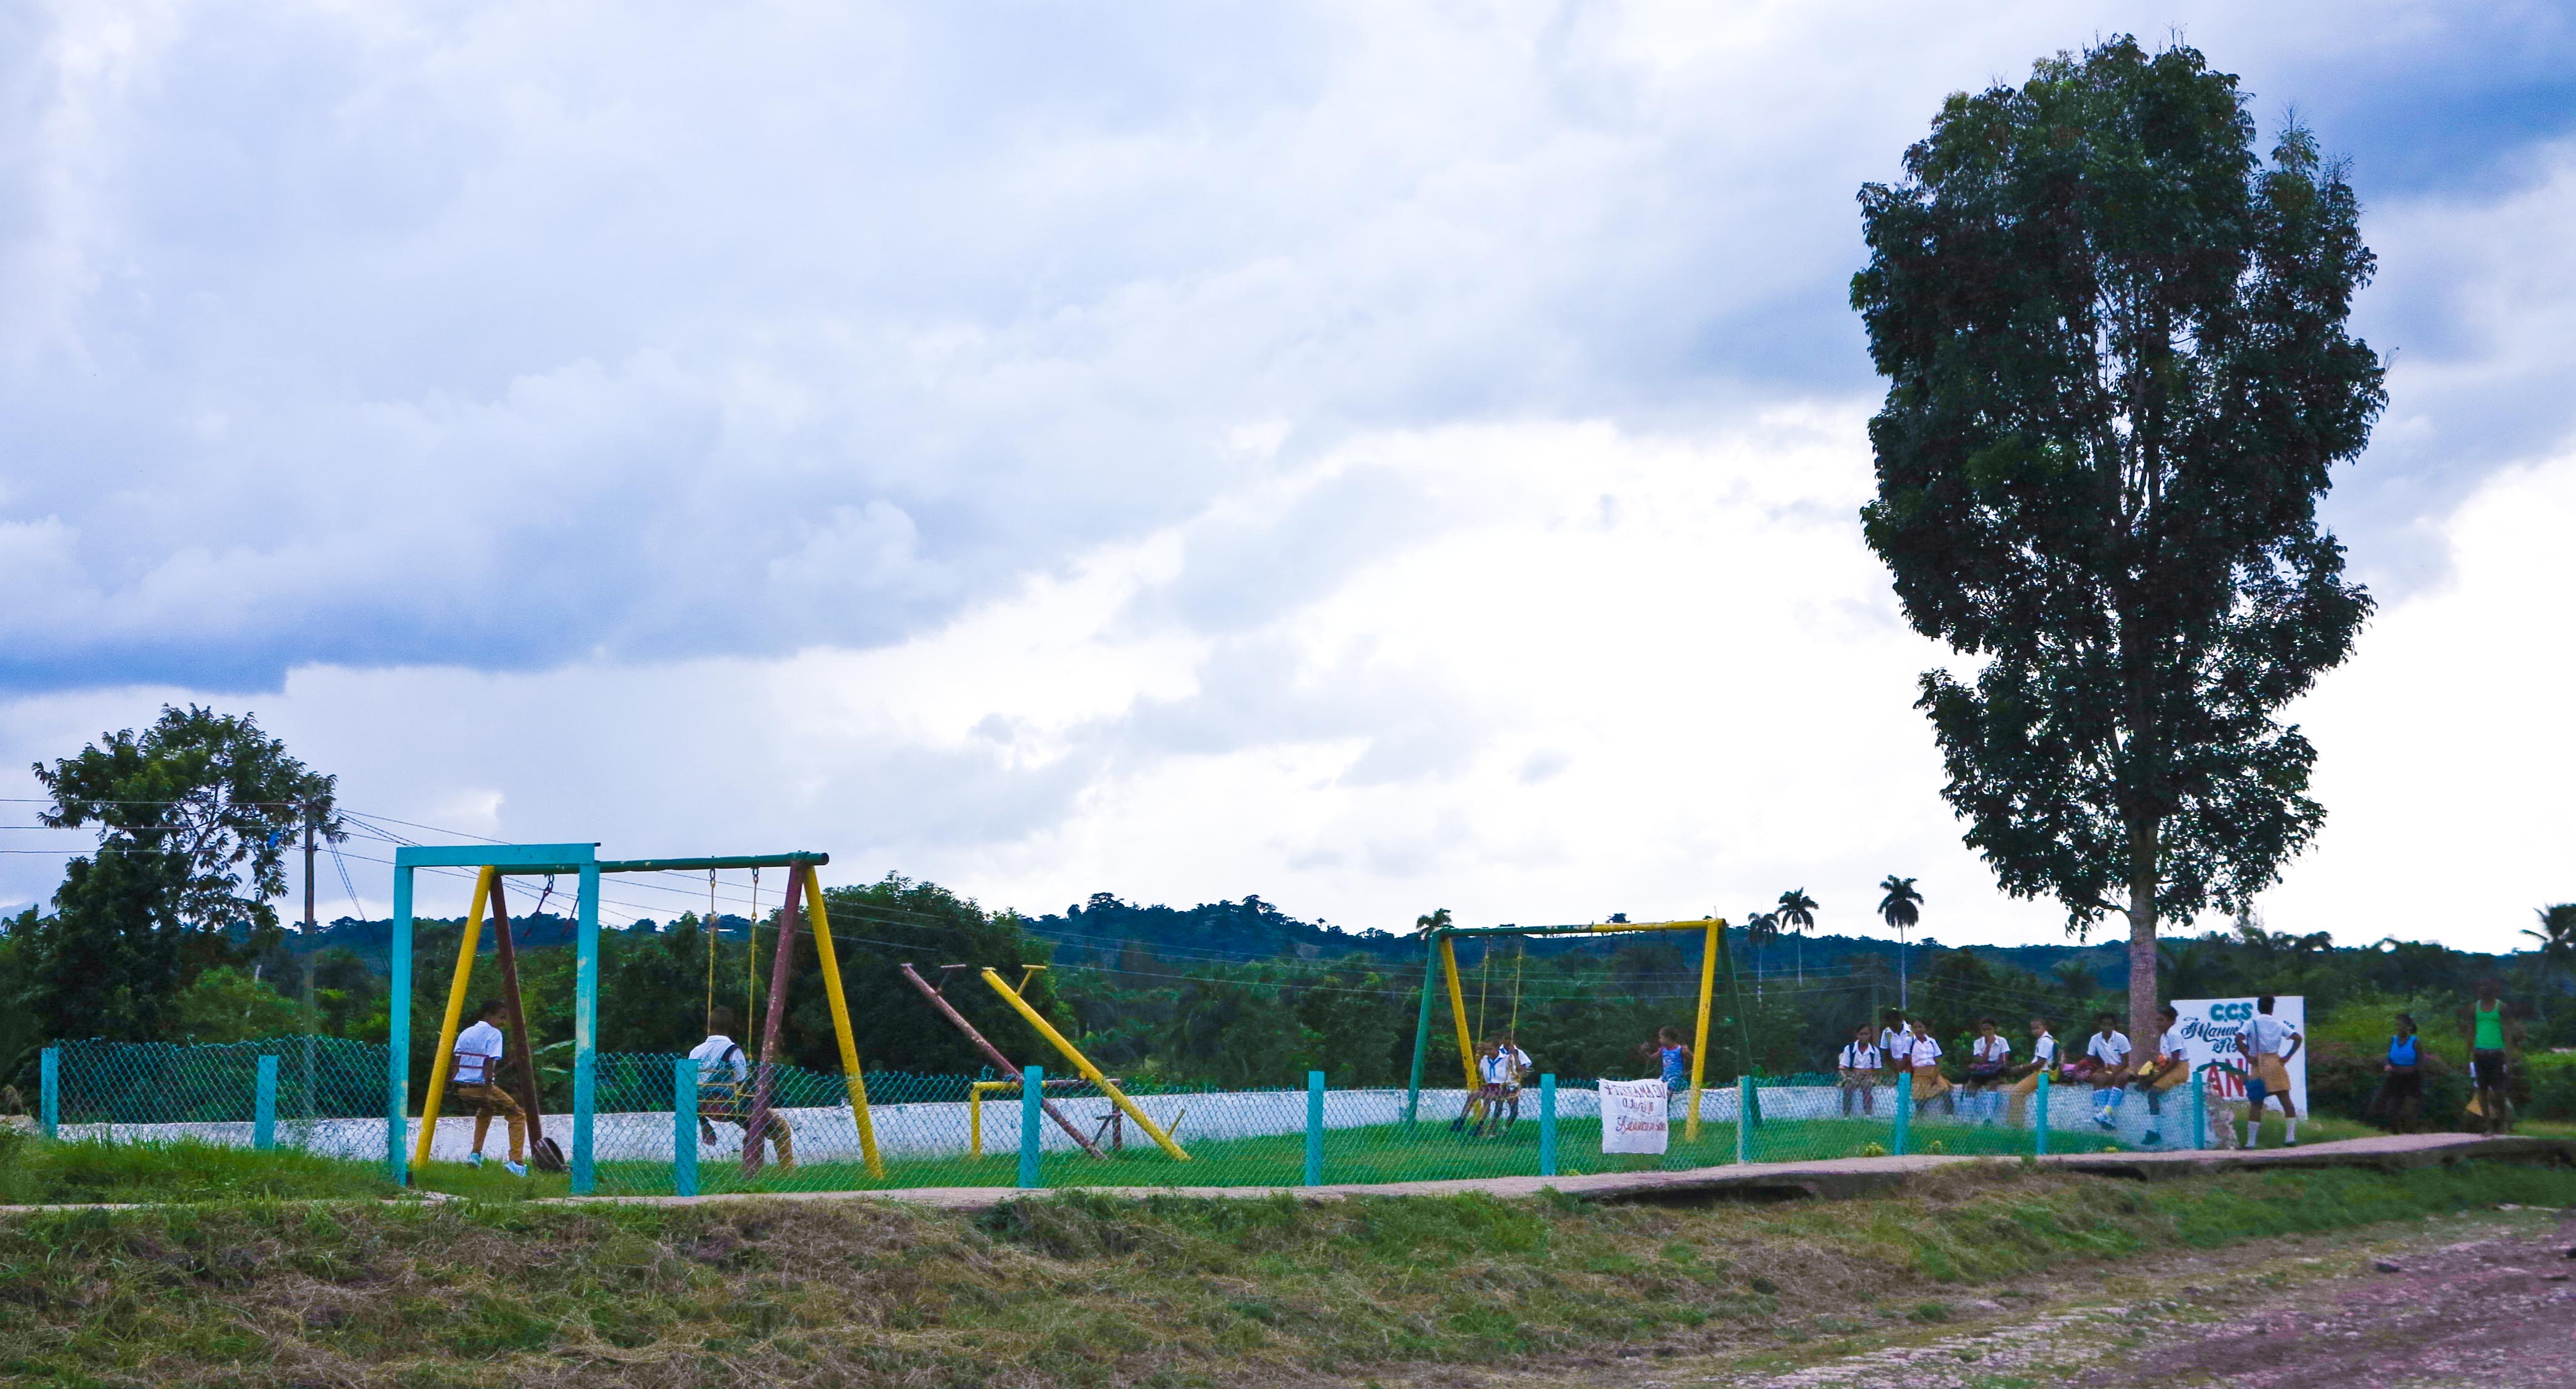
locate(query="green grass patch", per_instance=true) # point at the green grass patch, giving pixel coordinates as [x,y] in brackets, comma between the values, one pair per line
[1078,1288]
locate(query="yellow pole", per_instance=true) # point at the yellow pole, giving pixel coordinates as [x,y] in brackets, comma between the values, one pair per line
[1458,1012]
[443,1060]
[1699,1039]
[851,1075]
[1083,1064]
[975,1114]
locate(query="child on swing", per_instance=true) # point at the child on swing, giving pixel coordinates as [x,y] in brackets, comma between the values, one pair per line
[724,1091]
[478,1082]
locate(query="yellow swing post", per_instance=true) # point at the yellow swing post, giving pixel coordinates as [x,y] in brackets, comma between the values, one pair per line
[1458,1013]
[1699,1036]
[1083,1064]
[442,1060]
[850,1073]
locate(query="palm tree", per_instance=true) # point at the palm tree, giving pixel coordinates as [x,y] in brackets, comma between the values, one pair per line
[1902,908]
[2557,937]
[1425,925]
[1760,928]
[1798,913]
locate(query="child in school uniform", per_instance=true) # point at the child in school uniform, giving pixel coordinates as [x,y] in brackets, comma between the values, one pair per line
[2267,1043]
[724,1092]
[2106,1065]
[1923,1062]
[2043,1055]
[1988,1054]
[2165,1068]
[1857,1071]
[477,1080]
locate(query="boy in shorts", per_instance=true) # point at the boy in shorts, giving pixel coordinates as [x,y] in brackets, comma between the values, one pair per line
[2106,1065]
[2267,1043]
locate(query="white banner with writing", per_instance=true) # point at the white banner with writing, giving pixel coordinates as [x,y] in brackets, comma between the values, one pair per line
[1635,1116]
[2209,1028]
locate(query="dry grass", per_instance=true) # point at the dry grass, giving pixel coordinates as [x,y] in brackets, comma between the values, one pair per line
[1074,1289]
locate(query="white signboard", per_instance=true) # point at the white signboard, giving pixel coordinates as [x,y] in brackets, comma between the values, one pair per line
[1635,1116]
[2209,1028]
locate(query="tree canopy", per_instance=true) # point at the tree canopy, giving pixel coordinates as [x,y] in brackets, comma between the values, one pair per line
[2118,373]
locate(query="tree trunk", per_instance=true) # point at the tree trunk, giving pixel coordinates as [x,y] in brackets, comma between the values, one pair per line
[2142,933]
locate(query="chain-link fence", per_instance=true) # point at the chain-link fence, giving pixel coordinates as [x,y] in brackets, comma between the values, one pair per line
[663,1127]
[323,1094]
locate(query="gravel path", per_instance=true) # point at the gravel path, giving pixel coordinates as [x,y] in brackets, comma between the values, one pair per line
[2484,1301]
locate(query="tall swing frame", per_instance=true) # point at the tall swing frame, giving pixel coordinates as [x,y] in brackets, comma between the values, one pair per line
[497,861]
[1440,958]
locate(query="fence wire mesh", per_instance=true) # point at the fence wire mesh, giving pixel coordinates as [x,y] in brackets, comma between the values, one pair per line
[652,1125]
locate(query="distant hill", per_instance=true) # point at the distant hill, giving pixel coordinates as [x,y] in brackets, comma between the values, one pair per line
[1235,931]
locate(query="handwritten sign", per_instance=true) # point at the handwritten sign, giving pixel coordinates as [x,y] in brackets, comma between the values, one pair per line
[1635,1116]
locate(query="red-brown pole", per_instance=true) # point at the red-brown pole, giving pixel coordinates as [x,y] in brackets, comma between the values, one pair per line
[781,968]
[994,1055]
[522,1048]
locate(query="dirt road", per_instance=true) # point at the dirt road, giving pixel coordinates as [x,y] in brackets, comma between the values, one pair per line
[2486,1300]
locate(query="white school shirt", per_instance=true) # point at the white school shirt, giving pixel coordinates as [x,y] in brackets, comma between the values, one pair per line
[478,1054]
[2172,1047]
[1995,1048]
[2263,1035]
[1927,1051]
[2112,1051]
[712,1053]
[1895,1042]
[1497,1068]
[2043,1049]
[1859,1056]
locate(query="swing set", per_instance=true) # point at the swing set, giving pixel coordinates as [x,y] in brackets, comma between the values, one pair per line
[801,898]
[1441,961]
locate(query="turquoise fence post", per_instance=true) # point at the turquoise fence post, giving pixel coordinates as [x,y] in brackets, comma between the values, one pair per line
[2199,1112]
[1314,1128]
[684,1126]
[1547,1125]
[1032,1105]
[1904,1112]
[1744,1118]
[2039,1129]
[585,1028]
[263,1107]
[49,1102]
[398,1027]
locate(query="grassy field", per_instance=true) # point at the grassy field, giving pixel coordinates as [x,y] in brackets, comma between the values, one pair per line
[34,1173]
[1075,1289]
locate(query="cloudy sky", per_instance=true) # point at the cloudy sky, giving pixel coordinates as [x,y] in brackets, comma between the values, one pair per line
[1374,456]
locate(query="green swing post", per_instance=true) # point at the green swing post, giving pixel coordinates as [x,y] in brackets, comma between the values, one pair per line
[1422,1026]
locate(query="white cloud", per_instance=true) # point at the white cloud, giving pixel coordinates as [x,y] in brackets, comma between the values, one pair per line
[1375,456]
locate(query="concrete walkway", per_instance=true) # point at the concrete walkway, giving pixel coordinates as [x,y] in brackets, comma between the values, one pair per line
[1838,1177]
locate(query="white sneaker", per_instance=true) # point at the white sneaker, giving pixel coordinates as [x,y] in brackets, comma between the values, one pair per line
[515,1169]
[473,1159]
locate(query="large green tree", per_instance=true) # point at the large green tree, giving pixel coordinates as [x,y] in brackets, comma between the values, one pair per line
[2119,371]
[195,814]
[212,791]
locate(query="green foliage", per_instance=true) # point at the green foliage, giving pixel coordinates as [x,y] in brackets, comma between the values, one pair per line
[2118,373]
[211,791]
[225,1004]
[34,1172]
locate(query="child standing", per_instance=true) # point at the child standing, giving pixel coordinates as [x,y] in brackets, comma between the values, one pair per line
[2401,1079]
[478,1082]
[2490,1044]
[1858,1071]
[2267,1043]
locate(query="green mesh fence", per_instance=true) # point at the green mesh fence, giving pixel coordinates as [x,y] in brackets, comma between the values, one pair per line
[330,1093]
[966,1131]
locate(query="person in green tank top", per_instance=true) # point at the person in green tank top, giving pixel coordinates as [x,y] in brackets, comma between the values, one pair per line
[2492,1037]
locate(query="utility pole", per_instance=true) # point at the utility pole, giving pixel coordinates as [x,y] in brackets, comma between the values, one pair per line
[311,1023]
